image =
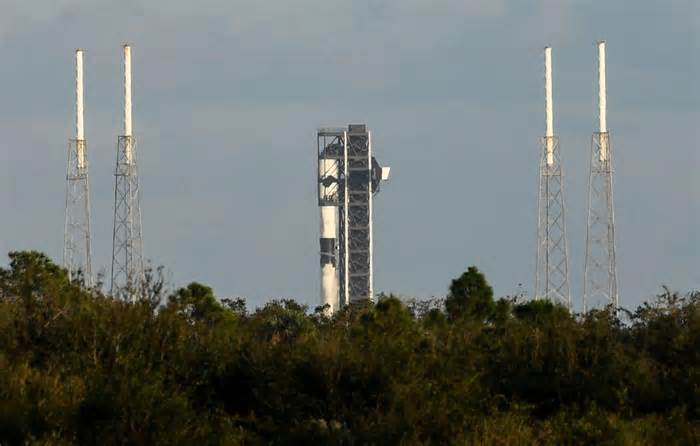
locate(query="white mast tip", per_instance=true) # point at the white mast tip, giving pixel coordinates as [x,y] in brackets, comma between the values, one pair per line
[79,125]
[127,90]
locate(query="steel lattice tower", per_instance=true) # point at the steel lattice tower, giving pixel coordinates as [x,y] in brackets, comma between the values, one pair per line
[348,177]
[77,255]
[127,241]
[600,272]
[356,225]
[552,270]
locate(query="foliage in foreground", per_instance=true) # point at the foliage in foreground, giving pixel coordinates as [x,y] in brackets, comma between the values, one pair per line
[77,366]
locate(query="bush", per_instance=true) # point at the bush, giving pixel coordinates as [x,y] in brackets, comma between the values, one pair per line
[77,366]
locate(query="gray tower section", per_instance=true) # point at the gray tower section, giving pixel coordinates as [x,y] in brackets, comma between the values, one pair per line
[356,226]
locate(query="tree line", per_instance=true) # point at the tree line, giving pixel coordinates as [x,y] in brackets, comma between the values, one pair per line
[80,367]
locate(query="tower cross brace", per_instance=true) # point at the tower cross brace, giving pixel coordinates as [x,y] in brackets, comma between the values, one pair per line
[77,250]
[552,270]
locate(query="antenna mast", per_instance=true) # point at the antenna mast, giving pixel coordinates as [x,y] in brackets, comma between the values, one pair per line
[600,273]
[552,270]
[127,240]
[77,255]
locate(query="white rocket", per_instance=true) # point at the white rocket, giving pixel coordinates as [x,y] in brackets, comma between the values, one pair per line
[328,168]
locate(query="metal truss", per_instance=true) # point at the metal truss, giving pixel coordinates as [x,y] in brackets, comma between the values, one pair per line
[552,270]
[127,240]
[77,253]
[600,272]
[356,206]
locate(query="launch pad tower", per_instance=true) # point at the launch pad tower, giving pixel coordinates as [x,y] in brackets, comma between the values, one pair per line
[348,178]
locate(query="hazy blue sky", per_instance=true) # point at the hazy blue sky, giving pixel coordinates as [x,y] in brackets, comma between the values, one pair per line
[228,94]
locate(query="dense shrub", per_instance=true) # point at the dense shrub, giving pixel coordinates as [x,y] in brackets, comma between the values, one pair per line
[77,366]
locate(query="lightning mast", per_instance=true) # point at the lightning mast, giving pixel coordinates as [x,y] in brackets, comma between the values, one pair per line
[77,255]
[600,272]
[127,241]
[552,270]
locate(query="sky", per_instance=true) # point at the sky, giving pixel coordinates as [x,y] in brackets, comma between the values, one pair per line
[228,95]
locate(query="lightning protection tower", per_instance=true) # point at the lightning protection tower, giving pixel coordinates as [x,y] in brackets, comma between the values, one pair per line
[77,256]
[552,270]
[600,272]
[127,241]
[348,179]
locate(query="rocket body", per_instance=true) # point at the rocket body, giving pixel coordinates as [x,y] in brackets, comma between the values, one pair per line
[328,168]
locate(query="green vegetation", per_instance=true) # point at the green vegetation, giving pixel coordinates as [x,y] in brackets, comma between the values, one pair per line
[77,367]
